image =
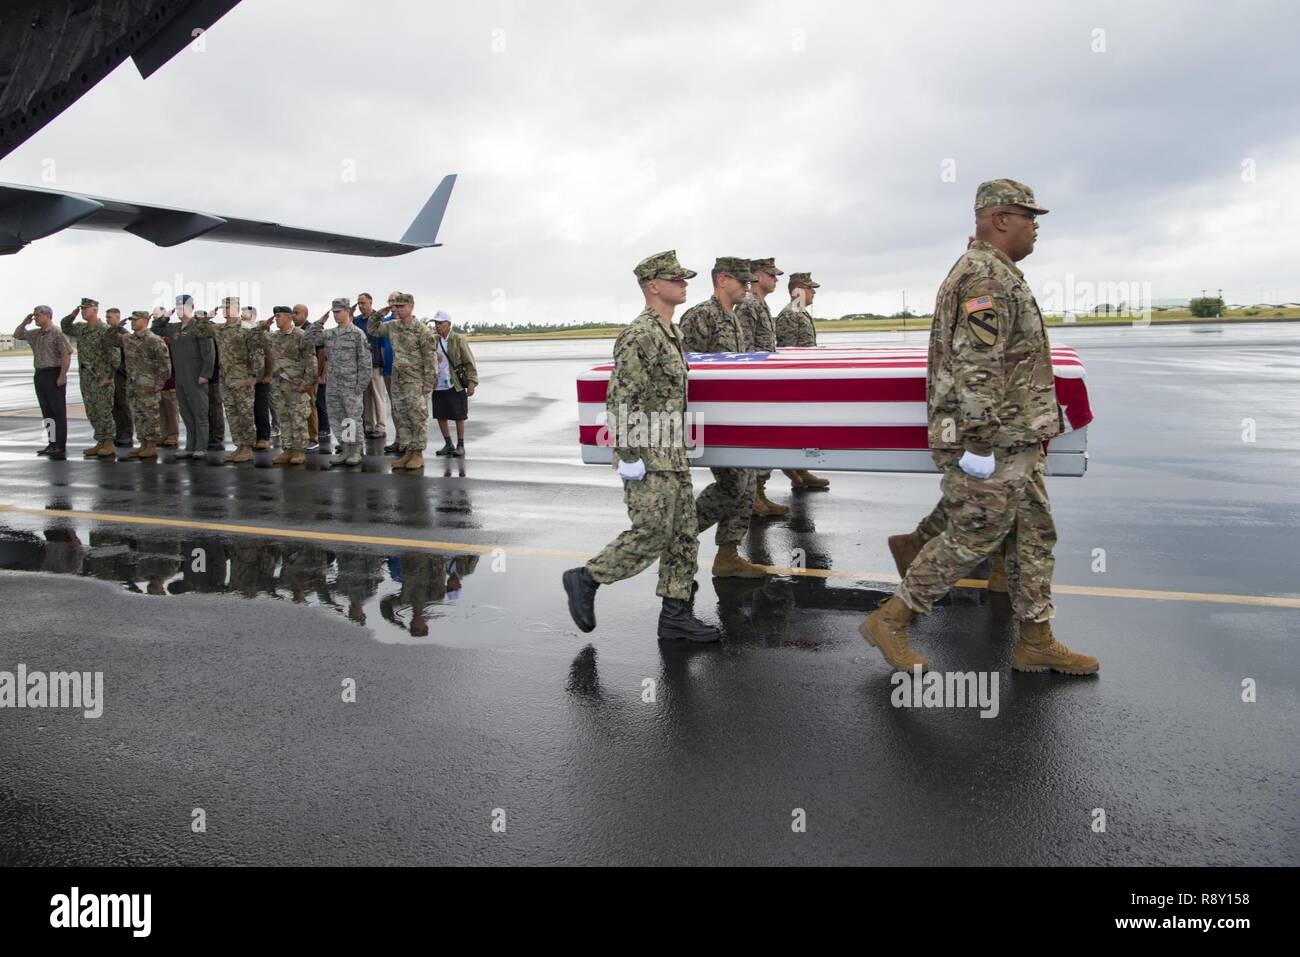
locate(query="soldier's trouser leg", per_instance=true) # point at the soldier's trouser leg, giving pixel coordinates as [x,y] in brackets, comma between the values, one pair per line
[728,502]
[933,524]
[237,397]
[760,478]
[346,416]
[411,414]
[122,423]
[313,423]
[262,410]
[98,400]
[146,411]
[194,410]
[981,512]
[376,405]
[1028,551]
[293,408]
[216,415]
[323,410]
[662,509]
[171,427]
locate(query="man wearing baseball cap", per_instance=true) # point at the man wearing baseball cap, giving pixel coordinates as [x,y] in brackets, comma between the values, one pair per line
[991,394]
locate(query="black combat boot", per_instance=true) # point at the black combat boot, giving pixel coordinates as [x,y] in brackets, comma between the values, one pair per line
[677,623]
[581,589]
[459,450]
[446,449]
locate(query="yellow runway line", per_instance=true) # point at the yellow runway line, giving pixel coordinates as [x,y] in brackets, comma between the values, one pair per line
[1269,601]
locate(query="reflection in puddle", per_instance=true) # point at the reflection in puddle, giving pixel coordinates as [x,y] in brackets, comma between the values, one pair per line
[399,595]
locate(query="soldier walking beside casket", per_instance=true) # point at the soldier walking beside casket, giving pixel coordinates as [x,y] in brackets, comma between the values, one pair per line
[649,384]
[992,404]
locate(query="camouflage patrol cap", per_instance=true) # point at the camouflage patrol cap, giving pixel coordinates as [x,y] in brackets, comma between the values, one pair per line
[279,309]
[1006,192]
[767,265]
[201,314]
[141,314]
[662,265]
[403,299]
[344,304]
[86,303]
[804,280]
[734,266]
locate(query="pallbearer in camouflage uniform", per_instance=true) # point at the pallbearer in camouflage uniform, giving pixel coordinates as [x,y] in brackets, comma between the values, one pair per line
[760,331]
[415,374]
[242,352]
[347,378]
[648,386]
[291,362]
[97,354]
[795,327]
[148,367]
[992,404]
[712,326]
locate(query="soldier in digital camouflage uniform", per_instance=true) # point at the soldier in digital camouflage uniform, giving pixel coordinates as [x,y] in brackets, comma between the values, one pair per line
[148,367]
[648,386]
[97,354]
[992,404]
[291,363]
[713,326]
[243,358]
[795,327]
[347,378]
[760,332]
[415,374]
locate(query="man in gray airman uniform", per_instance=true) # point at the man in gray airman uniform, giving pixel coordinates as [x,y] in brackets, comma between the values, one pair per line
[347,377]
[648,386]
[992,405]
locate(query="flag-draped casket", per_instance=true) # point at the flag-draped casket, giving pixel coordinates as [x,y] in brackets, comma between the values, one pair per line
[850,409]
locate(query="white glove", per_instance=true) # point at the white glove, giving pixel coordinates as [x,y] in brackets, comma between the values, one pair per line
[977,466]
[632,471]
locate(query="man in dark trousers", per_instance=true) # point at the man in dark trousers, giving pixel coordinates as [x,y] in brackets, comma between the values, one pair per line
[52,355]
[194,354]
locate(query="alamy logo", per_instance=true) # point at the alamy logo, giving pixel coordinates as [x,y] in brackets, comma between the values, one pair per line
[103,910]
[946,689]
[59,689]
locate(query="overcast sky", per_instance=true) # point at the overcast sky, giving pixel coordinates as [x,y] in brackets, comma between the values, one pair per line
[845,139]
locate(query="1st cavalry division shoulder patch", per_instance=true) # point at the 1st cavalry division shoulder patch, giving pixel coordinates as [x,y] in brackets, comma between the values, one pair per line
[981,320]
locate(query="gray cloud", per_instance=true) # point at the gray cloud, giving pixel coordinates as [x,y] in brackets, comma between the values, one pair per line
[589,135]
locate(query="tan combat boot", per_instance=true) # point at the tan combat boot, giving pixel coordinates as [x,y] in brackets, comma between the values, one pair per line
[230,456]
[91,452]
[765,507]
[107,449]
[298,458]
[998,574]
[729,564]
[796,480]
[170,443]
[135,453]
[148,451]
[262,445]
[283,458]
[808,480]
[905,548]
[1038,650]
[401,463]
[241,454]
[886,629]
[415,460]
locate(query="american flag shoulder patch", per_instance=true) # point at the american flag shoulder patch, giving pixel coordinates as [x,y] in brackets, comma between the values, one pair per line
[982,304]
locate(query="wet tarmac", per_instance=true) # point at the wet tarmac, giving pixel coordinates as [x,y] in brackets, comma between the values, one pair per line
[229,637]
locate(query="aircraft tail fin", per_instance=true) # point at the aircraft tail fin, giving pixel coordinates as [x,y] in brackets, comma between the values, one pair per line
[423,230]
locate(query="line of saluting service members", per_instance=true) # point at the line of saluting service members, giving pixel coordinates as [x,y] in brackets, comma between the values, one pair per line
[296,379]
[991,398]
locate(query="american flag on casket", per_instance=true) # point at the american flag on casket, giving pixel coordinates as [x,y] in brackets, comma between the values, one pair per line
[849,409]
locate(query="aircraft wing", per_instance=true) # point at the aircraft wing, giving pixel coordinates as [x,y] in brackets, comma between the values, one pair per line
[28,213]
